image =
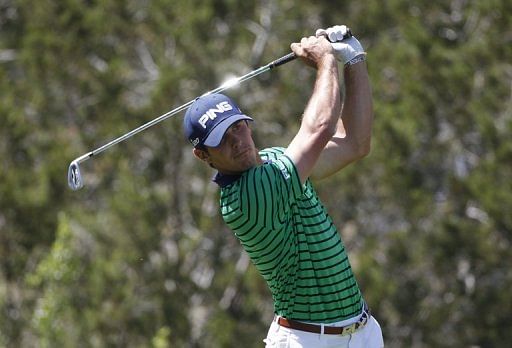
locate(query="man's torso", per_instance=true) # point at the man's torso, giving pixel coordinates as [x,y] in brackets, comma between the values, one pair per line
[292,241]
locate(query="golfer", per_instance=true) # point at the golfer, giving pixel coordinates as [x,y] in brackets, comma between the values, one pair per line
[267,198]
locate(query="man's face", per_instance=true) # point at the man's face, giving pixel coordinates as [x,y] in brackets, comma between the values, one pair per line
[236,152]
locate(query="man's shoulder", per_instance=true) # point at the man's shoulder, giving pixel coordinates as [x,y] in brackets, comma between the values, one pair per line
[271,153]
[255,178]
[253,181]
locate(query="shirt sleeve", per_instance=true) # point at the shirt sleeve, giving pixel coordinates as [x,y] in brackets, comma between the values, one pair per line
[289,177]
[266,196]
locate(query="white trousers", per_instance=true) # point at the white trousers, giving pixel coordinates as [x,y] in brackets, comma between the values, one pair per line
[369,336]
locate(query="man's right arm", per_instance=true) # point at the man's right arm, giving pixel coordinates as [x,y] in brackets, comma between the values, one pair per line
[320,118]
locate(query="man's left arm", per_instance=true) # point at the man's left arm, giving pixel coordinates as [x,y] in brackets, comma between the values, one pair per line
[353,136]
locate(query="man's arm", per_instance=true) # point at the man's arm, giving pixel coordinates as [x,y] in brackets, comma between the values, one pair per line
[353,135]
[320,118]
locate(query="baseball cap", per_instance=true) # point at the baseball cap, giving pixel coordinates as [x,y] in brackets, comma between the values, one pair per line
[209,117]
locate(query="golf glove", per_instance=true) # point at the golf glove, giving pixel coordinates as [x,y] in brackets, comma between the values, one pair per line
[349,50]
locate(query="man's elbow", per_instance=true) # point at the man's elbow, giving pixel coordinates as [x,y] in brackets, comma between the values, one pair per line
[363,149]
[323,132]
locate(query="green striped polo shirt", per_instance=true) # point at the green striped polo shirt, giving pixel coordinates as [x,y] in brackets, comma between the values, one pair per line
[292,241]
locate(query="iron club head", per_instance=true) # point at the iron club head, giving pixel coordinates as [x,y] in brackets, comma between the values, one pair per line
[74,177]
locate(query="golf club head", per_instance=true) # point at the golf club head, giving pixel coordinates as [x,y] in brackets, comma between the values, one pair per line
[74,177]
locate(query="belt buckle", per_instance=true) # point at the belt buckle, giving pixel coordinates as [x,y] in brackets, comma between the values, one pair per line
[349,330]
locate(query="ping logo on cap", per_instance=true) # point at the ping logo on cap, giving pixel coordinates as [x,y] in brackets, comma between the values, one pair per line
[209,117]
[211,114]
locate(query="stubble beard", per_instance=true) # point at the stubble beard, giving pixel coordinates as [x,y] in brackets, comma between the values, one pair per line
[252,159]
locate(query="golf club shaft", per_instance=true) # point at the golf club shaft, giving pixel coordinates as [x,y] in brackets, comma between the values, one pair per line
[275,63]
[75,180]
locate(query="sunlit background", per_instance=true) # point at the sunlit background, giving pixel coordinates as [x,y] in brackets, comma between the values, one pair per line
[140,257]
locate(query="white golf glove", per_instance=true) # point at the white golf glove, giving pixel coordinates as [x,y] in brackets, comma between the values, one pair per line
[349,50]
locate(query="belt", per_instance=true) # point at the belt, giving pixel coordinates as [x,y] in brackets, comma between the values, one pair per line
[329,330]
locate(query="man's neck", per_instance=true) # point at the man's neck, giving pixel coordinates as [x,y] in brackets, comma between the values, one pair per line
[226,179]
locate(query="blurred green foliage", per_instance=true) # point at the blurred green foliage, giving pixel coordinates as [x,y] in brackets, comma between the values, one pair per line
[140,256]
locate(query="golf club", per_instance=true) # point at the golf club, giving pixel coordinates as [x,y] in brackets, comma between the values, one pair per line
[75,179]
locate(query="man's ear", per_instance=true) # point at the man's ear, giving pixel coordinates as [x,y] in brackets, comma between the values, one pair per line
[201,154]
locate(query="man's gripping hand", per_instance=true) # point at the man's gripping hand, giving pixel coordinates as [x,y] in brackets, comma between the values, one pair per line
[348,51]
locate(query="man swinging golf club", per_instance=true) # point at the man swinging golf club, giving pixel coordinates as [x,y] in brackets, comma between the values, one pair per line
[267,198]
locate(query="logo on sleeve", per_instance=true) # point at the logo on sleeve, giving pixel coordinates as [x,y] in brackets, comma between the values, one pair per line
[284,170]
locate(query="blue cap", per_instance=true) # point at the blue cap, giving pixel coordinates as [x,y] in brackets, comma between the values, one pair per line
[209,117]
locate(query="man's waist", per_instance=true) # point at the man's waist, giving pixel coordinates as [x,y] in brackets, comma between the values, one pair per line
[321,309]
[343,327]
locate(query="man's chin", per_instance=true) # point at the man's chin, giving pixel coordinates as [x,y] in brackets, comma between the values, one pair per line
[248,164]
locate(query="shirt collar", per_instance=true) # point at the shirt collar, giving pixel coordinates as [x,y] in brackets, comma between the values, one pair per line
[224,180]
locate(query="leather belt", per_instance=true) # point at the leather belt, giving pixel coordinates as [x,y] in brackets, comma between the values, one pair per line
[329,330]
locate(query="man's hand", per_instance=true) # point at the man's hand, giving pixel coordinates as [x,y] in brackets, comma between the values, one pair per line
[314,51]
[345,49]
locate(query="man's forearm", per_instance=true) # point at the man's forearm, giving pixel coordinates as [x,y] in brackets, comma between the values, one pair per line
[324,105]
[321,115]
[357,113]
